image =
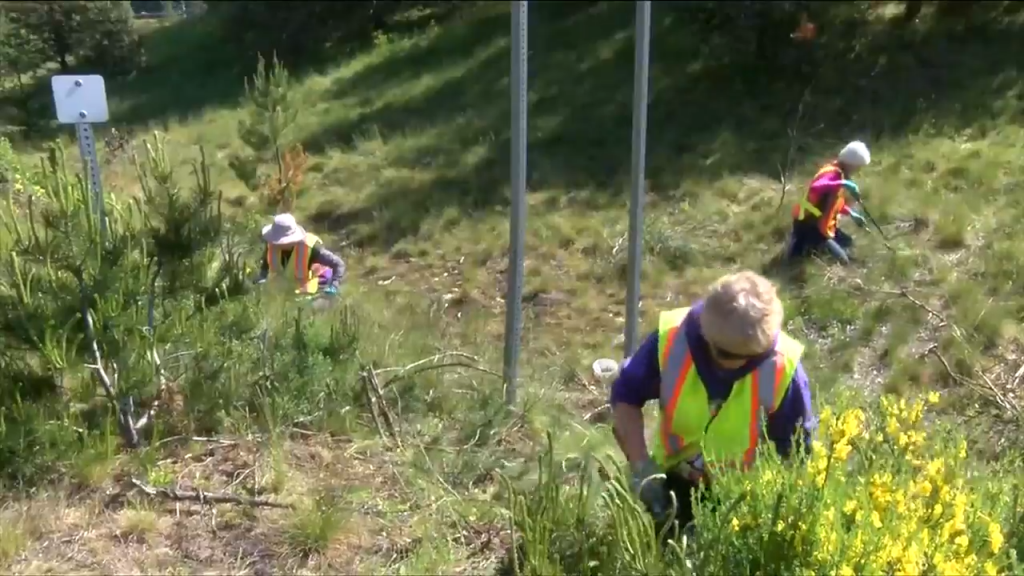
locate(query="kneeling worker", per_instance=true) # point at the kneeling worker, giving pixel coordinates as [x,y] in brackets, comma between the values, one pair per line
[720,370]
[816,215]
[299,255]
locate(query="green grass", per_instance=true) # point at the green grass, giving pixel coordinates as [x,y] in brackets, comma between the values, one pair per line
[409,167]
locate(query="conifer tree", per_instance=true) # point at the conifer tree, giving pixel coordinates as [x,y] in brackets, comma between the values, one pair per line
[275,163]
[116,301]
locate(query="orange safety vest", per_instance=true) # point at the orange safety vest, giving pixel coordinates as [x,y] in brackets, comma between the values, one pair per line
[824,209]
[729,436]
[306,276]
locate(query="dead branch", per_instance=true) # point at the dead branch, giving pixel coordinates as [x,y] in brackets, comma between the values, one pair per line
[793,132]
[163,383]
[988,389]
[433,358]
[206,497]
[382,416]
[985,387]
[934,351]
[1018,375]
[600,415]
[203,439]
[427,364]
[125,425]
[101,374]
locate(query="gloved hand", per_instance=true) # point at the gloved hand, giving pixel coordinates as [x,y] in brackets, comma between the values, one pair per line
[858,220]
[331,289]
[650,487]
[852,188]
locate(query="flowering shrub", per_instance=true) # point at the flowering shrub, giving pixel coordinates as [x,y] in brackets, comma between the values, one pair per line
[882,492]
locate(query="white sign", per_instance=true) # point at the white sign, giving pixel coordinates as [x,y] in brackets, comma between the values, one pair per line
[80,99]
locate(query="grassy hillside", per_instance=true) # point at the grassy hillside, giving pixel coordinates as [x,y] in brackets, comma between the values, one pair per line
[409,173]
[410,163]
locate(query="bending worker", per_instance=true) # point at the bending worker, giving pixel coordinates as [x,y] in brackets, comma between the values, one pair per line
[299,255]
[816,215]
[720,371]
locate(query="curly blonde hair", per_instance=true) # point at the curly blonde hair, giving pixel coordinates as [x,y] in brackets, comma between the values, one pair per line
[742,314]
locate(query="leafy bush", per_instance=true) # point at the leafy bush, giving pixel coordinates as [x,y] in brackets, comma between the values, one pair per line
[881,493]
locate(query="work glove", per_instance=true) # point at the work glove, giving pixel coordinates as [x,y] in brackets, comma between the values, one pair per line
[858,220]
[649,485]
[852,188]
[331,289]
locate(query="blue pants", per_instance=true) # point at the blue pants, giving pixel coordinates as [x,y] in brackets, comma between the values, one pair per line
[806,239]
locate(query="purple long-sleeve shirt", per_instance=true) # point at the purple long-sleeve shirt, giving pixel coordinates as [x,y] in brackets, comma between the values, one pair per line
[639,382]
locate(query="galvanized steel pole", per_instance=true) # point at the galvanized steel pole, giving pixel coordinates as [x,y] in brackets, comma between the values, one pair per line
[517,194]
[636,200]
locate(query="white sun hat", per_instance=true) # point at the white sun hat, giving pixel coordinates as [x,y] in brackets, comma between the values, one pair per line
[855,154]
[284,230]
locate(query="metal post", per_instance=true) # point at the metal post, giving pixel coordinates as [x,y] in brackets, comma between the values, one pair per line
[517,224]
[82,101]
[87,148]
[636,200]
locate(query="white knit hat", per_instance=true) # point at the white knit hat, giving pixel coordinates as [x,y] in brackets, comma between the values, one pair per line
[284,230]
[855,154]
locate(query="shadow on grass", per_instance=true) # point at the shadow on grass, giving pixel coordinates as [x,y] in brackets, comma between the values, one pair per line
[715,109]
[188,70]
[192,66]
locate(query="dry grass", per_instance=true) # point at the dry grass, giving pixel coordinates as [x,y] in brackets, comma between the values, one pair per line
[340,525]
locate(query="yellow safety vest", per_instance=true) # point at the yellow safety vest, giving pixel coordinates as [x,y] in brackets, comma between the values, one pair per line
[826,222]
[804,205]
[301,271]
[688,428]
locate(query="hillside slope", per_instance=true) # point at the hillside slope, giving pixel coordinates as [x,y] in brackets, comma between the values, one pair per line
[409,173]
[410,164]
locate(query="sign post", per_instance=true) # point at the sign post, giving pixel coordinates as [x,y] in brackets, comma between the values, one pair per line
[82,101]
[517,195]
[636,199]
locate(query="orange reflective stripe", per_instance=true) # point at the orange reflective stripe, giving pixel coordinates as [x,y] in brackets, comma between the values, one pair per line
[830,167]
[678,362]
[673,442]
[828,224]
[809,204]
[780,375]
[755,420]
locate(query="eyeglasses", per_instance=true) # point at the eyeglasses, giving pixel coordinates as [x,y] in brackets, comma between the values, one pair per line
[730,356]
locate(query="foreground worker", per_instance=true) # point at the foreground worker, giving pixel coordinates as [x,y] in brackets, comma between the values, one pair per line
[720,371]
[816,215]
[300,256]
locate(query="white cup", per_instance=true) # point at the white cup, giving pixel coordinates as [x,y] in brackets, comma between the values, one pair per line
[605,370]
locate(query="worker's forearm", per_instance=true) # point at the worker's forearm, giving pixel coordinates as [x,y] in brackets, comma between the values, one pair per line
[628,422]
[330,260]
